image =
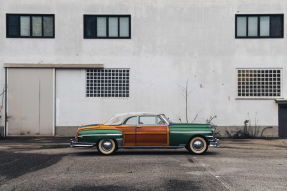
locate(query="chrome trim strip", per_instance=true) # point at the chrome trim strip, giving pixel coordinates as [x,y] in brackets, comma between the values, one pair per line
[191,132]
[120,142]
[214,143]
[153,147]
[81,144]
[164,119]
[208,136]
[100,135]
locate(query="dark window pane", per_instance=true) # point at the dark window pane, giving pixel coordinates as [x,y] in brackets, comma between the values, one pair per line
[90,26]
[276,25]
[13,25]
[48,23]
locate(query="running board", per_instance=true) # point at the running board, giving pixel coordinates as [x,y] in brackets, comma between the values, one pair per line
[153,147]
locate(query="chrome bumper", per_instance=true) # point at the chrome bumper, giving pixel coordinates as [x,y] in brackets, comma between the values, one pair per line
[81,144]
[214,143]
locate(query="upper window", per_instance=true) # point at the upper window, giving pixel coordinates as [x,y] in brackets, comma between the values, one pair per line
[30,26]
[259,83]
[259,26]
[107,26]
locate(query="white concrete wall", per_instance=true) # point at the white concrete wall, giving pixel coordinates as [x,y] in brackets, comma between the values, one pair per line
[172,41]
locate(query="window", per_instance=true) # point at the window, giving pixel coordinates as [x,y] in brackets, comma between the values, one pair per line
[259,83]
[151,120]
[30,26]
[107,83]
[259,26]
[148,120]
[131,121]
[107,26]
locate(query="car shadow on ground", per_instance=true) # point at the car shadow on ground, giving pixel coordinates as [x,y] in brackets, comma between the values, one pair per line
[123,153]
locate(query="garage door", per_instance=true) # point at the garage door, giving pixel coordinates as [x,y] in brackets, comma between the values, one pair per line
[30,105]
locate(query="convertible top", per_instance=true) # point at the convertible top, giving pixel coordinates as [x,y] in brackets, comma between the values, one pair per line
[118,119]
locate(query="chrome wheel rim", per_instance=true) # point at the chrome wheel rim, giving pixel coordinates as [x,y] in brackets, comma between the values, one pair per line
[107,145]
[197,145]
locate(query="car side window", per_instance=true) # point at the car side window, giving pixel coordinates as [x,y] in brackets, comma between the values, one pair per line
[131,121]
[148,120]
[151,120]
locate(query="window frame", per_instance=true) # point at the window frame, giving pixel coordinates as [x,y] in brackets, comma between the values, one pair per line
[258,26]
[31,29]
[124,123]
[237,97]
[107,26]
[103,77]
[138,120]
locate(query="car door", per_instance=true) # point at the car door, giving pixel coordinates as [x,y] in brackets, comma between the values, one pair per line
[152,131]
[129,131]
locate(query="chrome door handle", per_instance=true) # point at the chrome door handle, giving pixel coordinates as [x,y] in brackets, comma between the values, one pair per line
[138,126]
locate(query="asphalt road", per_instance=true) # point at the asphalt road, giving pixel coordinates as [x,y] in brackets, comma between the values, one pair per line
[49,164]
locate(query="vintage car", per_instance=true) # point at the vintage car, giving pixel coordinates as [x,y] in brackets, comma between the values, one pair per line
[145,130]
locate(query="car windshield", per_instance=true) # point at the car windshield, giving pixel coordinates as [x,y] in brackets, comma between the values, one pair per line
[166,118]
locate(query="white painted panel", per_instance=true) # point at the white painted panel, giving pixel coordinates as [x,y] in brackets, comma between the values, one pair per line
[30,101]
[14,101]
[46,101]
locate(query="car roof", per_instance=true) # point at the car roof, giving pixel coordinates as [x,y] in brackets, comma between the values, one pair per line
[118,119]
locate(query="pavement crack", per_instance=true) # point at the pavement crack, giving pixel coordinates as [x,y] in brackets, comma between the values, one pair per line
[212,173]
[9,162]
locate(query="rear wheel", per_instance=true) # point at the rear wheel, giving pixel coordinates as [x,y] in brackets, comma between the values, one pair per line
[106,146]
[197,145]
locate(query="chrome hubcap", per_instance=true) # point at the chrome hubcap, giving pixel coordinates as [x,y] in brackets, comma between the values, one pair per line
[107,145]
[197,145]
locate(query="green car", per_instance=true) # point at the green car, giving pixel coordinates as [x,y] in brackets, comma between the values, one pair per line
[142,130]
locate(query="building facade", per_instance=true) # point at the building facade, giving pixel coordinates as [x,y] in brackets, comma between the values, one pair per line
[65,64]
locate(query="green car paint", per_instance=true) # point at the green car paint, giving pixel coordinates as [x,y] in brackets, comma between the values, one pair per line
[181,133]
[94,135]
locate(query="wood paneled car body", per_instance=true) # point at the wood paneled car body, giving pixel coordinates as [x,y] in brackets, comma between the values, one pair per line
[145,130]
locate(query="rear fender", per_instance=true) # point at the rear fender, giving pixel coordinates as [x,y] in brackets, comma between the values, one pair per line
[94,136]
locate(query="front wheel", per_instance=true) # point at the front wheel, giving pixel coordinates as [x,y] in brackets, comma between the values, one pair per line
[106,146]
[197,145]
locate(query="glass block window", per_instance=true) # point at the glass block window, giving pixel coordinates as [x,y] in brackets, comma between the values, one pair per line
[30,26]
[107,26]
[259,26]
[259,83]
[107,83]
